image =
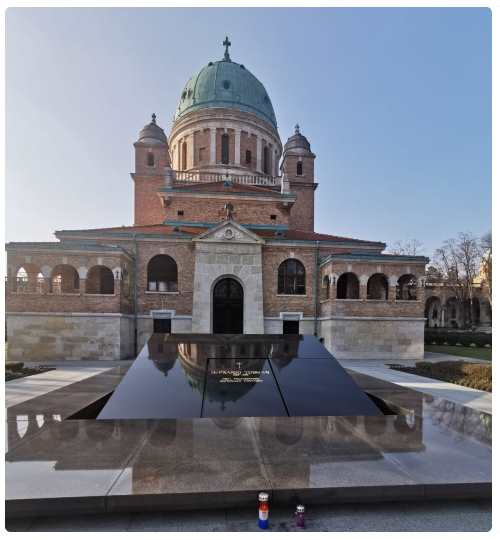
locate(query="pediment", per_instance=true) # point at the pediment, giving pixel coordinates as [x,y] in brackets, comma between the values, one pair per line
[229,232]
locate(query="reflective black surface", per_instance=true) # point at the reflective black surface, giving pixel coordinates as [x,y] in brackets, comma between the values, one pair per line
[193,375]
[241,387]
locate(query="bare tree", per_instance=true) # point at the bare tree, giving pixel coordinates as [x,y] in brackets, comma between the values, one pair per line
[411,247]
[486,265]
[458,260]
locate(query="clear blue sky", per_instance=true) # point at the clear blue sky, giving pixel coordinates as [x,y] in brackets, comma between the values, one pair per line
[395,102]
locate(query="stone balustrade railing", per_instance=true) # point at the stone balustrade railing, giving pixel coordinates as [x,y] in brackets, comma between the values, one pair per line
[249,179]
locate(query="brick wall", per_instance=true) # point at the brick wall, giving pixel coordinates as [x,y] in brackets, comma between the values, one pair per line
[212,211]
[182,301]
[272,257]
[148,209]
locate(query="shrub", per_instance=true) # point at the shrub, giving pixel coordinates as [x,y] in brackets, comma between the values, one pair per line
[442,336]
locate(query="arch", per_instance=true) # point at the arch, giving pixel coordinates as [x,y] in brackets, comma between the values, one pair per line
[227,306]
[162,274]
[433,312]
[299,168]
[184,156]
[28,278]
[453,313]
[291,277]
[406,288]
[348,286]
[64,279]
[150,159]
[325,287]
[100,280]
[224,148]
[377,287]
[265,161]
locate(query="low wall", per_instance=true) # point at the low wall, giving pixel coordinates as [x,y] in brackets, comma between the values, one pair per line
[63,336]
[366,338]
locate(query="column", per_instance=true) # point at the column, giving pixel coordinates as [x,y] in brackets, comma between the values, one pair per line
[213,143]
[237,146]
[259,154]
[190,150]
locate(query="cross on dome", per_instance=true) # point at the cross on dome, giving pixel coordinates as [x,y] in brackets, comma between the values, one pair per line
[153,118]
[297,129]
[226,44]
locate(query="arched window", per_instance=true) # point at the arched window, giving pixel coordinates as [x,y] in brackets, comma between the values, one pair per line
[22,280]
[433,312]
[291,277]
[100,280]
[64,279]
[326,287]
[265,167]
[248,157]
[225,148]
[377,287]
[407,287]
[348,286]
[184,156]
[151,159]
[162,274]
[299,168]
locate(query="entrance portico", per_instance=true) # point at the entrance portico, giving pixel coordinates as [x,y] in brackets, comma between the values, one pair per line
[228,250]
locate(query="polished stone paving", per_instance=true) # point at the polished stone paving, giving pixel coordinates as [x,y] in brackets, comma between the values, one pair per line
[442,516]
[432,448]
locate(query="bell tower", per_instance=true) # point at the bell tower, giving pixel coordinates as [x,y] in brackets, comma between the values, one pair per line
[151,159]
[298,167]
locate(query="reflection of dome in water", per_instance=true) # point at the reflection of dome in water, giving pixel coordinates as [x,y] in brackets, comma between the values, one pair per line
[162,353]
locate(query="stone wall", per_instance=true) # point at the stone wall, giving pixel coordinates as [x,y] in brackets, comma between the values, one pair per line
[242,261]
[52,336]
[367,338]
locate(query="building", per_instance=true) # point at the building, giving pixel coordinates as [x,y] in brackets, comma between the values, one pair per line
[223,240]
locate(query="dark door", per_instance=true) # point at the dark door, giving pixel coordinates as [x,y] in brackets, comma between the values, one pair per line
[162,326]
[290,327]
[228,307]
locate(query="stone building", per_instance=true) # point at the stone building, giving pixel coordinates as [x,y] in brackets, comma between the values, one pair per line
[223,240]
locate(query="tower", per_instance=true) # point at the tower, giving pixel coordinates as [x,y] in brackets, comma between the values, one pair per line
[151,160]
[298,167]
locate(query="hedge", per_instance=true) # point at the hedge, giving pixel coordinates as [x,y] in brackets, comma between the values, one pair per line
[466,339]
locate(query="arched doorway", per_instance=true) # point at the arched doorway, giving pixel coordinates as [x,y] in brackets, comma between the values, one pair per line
[228,307]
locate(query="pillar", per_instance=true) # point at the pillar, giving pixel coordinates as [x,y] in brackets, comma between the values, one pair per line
[213,145]
[237,146]
[259,154]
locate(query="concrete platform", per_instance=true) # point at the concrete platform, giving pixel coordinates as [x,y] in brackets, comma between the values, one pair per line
[432,449]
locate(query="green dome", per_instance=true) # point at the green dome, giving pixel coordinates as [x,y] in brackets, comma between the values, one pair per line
[226,84]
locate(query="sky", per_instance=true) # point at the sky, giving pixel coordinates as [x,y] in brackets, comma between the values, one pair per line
[395,102]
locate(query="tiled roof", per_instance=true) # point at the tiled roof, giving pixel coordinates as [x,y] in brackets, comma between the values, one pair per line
[296,234]
[290,234]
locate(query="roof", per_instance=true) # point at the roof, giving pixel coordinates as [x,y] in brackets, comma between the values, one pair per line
[376,257]
[226,84]
[66,246]
[152,133]
[191,230]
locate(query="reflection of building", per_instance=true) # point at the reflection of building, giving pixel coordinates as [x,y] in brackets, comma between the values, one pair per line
[223,241]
